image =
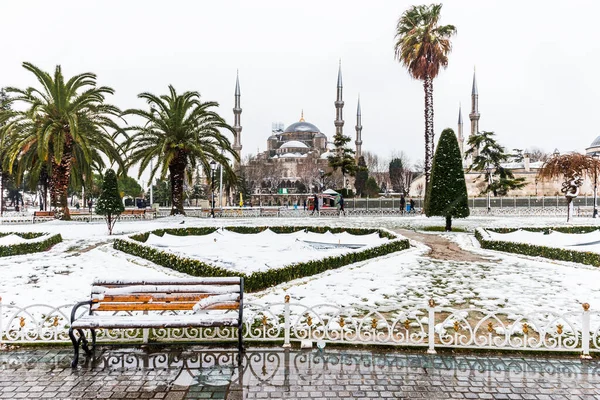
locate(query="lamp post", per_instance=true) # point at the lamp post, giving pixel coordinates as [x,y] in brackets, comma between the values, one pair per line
[489,174]
[322,174]
[213,167]
[595,157]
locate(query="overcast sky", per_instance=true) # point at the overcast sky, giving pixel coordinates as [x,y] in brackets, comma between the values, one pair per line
[536,61]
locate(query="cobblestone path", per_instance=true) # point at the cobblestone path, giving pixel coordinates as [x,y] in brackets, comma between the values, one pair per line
[197,373]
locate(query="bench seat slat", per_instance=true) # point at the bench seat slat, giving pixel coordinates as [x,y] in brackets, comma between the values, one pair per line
[149,298]
[142,306]
[154,321]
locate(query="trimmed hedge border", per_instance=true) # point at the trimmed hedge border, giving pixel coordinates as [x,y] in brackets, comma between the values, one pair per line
[582,257]
[27,248]
[262,279]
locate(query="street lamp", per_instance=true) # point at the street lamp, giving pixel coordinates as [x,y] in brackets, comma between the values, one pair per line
[595,157]
[213,167]
[489,174]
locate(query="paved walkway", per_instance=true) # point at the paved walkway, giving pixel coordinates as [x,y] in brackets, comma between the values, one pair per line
[197,373]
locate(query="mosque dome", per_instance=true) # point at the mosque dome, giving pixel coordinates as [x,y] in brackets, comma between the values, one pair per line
[294,144]
[302,126]
[594,147]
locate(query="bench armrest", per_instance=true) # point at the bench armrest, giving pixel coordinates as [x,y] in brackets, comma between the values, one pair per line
[76,306]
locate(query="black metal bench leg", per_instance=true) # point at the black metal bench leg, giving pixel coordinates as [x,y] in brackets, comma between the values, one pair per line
[75,348]
[240,345]
[93,340]
[85,344]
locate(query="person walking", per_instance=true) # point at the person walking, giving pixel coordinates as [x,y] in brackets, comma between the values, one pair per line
[412,205]
[402,204]
[342,206]
[315,205]
[90,203]
[304,204]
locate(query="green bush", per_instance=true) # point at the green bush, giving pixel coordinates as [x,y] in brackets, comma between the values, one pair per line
[554,253]
[26,248]
[263,279]
[24,235]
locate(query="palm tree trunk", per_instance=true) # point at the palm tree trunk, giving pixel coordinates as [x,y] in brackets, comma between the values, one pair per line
[61,175]
[177,172]
[429,134]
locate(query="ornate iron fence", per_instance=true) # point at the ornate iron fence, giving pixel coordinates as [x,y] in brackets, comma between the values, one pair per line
[428,327]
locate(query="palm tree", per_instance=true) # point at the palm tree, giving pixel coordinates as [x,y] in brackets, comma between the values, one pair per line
[67,125]
[488,160]
[422,46]
[181,132]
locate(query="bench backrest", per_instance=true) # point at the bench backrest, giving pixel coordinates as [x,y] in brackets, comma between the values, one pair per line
[167,294]
[43,213]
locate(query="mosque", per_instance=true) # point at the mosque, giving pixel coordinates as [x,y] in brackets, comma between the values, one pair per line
[521,169]
[296,159]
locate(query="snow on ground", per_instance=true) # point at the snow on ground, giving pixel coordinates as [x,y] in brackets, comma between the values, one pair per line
[249,253]
[64,274]
[571,241]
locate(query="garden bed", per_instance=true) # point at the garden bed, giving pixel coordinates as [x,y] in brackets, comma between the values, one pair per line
[261,278]
[579,244]
[16,243]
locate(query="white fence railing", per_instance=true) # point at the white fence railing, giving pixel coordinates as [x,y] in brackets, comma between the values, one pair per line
[429,327]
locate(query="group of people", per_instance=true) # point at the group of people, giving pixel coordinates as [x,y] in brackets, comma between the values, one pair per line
[404,207]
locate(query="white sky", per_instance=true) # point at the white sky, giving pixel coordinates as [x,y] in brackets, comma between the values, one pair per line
[536,63]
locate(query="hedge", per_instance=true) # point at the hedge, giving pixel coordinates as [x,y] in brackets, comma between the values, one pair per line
[26,248]
[562,229]
[554,253]
[262,279]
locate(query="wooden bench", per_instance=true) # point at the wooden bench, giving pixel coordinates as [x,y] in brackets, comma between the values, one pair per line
[134,213]
[128,304]
[43,215]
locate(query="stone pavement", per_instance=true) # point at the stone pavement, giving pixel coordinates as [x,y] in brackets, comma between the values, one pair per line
[201,373]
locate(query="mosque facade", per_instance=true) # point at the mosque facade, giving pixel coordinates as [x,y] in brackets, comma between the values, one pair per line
[296,159]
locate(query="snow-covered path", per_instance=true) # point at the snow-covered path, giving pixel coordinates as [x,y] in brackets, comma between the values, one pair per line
[64,274]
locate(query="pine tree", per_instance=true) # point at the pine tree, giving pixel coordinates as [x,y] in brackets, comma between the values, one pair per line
[343,158]
[109,203]
[447,193]
[362,174]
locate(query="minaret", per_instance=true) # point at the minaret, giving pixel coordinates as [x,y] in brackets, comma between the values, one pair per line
[237,111]
[460,137]
[339,105]
[474,116]
[358,131]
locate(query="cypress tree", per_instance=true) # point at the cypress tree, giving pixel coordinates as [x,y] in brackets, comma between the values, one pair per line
[447,192]
[362,174]
[109,203]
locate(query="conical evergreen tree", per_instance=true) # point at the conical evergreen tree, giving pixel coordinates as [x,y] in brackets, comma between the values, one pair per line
[109,203]
[447,192]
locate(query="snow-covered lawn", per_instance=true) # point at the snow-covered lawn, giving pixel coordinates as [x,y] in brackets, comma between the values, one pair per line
[63,275]
[570,241]
[249,253]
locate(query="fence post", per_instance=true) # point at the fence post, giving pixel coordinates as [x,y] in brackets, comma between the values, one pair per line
[145,331]
[286,320]
[557,201]
[585,332]
[529,202]
[1,329]
[543,197]
[431,328]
